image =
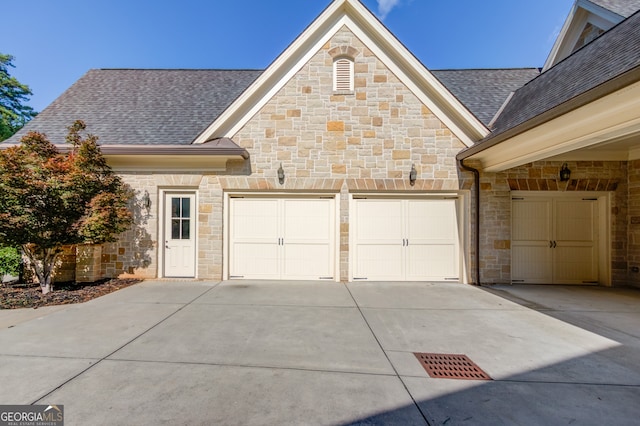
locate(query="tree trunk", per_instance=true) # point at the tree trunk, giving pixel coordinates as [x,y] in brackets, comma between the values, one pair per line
[46,288]
[43,261]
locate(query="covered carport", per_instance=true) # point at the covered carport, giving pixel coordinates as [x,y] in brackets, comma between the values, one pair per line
[559,176]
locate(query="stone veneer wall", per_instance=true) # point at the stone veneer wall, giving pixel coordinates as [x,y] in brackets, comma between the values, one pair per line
[495,205]
[368,139]
[135,252]
[365,140]
[634,223]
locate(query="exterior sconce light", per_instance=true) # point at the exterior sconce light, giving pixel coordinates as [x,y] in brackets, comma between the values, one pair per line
[413,175]
[146,200]
[565,173]
[281,174]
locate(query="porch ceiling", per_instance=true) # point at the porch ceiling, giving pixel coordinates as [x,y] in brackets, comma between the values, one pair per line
[621,149]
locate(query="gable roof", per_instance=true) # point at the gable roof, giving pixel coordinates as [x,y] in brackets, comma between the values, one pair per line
[484,91]
[142,107]
[382,43]
[587,19]
[603,66]
[624,8]
[605,58]
[174,106]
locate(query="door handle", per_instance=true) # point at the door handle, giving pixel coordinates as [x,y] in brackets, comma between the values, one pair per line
[166,244]
[554,244]
[550,244]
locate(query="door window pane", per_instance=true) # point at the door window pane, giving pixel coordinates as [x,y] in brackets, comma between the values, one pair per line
[186,210]
[175,229]
[185,229]
[175,207]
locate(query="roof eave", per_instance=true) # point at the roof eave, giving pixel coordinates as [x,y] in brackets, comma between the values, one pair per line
[615,84]
[177,150]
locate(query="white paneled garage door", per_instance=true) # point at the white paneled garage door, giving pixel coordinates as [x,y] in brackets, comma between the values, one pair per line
[405,239]
[555,240]
[282,238]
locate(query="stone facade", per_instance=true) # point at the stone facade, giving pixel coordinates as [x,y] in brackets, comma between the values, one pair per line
[88,263]
[634,223]
[365,140]
[368,138]
[65,267]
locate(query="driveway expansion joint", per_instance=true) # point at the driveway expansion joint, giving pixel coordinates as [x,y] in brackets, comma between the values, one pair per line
[259,366]
[122,346]
[415,403]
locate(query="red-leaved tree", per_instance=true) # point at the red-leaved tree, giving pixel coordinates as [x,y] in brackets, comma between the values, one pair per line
[49,198]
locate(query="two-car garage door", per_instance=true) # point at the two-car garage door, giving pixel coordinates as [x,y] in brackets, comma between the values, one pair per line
[391,239]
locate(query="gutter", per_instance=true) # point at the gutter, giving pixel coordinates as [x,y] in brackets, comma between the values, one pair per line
[180,150]
[220,147]
[606,88]
[476,176]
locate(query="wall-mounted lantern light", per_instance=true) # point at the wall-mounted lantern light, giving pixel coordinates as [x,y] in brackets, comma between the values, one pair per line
[565,173]
[413,175]
[281,174]
[146,200]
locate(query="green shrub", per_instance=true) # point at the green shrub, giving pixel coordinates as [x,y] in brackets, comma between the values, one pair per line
[10,259]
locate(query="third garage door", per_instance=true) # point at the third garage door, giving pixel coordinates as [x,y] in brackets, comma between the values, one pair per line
[554,239]
[405,239]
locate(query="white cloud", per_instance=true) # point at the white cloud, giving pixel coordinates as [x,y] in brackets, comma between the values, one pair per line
[385,6]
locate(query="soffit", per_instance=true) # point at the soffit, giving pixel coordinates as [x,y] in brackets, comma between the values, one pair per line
[607,129]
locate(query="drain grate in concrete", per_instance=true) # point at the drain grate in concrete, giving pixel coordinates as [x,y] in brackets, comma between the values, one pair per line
[451,366]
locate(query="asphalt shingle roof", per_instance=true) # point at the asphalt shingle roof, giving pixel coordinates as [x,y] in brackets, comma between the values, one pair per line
[142,107]
[483,91]
[612,54]
[172,107]
[623,8]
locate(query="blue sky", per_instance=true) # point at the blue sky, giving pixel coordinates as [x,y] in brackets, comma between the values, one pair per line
[56,42]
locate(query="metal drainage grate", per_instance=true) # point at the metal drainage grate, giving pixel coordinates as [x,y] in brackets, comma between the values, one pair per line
[451,366]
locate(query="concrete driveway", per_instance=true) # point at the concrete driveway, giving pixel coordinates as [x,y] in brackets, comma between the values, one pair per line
[263,353]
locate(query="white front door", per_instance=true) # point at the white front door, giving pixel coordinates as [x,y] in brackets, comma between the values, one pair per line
[179,235]
[554,240]
[282,238]
[405,240]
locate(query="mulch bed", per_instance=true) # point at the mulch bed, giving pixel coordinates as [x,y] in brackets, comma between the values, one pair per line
[30,296]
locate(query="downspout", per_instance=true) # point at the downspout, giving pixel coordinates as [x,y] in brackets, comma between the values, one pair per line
[476,175]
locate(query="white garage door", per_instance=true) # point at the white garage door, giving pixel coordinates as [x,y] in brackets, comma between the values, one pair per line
[282,238]
[405,240]
[554,240]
